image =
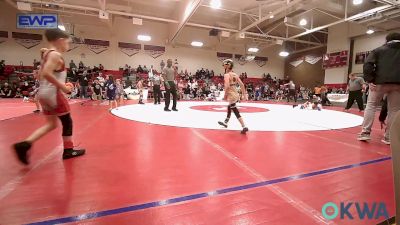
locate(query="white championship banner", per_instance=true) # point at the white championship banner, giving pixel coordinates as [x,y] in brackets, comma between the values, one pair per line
[338,97]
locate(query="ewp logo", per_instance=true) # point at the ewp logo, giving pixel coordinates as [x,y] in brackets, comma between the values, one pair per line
[375,211]
[37,21]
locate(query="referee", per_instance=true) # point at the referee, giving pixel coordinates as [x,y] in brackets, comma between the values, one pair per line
[355,87]
[168,74]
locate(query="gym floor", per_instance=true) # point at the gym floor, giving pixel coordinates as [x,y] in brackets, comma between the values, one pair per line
[145,173]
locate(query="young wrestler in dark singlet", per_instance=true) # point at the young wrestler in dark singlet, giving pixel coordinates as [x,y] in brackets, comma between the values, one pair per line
[231,80]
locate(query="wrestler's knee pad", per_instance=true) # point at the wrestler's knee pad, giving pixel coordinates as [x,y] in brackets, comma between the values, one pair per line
[66,122]
[235,110]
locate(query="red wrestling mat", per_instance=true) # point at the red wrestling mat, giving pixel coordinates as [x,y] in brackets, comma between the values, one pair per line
[15,107]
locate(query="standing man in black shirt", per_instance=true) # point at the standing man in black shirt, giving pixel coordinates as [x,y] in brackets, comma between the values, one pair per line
[382,72]
[72,65]
[2,67]
[156,79]
[84,83]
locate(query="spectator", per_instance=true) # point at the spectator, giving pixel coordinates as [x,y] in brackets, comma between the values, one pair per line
[181,87]
[21,66]
[140,87]
[72,65]
[18,93]
[81,65]
[36,64]
[126,70]
[111,90]
[139,69]
[2,67]
[182,75]
[120,92]
[156,80]
[186,92]
[100,78]
[194,87]
[96,90]
[162,65]
[6,91]
[84,83]
[145,70]
[381,70]
[176,64]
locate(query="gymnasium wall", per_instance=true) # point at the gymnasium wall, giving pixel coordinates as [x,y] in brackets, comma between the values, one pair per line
[306,74]
[124,31]
[366,43]
[338,40]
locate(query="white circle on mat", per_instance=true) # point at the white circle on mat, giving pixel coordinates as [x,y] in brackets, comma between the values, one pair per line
[273,118]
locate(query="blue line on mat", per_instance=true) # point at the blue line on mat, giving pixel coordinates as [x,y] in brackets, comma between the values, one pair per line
[203,195]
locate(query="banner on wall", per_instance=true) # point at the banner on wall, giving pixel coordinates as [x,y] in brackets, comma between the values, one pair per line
[222,56]
[335,60]
[26,39]
[76,42]
[129,49]
[241,59]
[312,59]
[361,57]
[261,61]
[3,36]
[297,62]
[97,46]
[154,51]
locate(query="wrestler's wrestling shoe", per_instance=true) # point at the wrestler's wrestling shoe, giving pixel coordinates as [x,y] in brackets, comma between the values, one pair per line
[244,131]
[223,124]
[21,150]
[72,153]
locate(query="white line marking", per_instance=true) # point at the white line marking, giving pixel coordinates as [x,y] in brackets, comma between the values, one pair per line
[344,143]
[292,200]
[13,184]
[10,186]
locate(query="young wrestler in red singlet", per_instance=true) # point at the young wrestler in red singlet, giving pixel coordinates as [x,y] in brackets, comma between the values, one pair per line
[51,96]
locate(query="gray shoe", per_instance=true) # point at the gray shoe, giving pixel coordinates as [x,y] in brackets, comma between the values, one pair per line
[364,136]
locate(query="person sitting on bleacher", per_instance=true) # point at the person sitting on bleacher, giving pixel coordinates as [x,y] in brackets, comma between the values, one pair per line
[18,93]
[6,91]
